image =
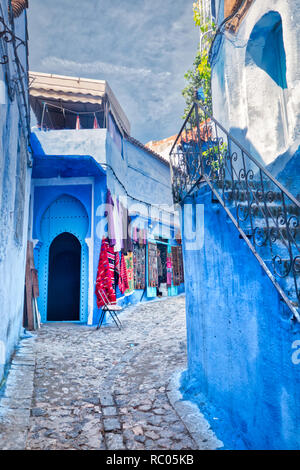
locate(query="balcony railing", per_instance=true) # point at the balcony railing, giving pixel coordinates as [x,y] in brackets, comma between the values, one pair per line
[264,212]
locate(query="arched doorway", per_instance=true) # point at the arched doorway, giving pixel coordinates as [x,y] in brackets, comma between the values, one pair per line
[65,215]
[64,279]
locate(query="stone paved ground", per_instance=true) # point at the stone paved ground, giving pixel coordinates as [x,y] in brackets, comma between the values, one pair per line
[107,389]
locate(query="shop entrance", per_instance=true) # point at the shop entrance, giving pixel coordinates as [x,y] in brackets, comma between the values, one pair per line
[162,252]
[64,279]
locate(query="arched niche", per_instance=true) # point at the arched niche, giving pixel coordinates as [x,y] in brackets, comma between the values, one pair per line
[266,82]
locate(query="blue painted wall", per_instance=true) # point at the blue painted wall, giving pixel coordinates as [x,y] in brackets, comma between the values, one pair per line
[240,341]
[61,158]
[15,176]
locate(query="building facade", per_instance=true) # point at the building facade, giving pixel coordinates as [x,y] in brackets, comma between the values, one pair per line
[256,79]
[15,171]
[236,178]
[88,172]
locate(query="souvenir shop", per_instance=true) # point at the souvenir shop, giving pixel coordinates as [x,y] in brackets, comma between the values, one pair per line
[101,208]
[135,264]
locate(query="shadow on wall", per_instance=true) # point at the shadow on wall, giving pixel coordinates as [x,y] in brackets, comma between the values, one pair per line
[242,136]
[285,168]
[266,49]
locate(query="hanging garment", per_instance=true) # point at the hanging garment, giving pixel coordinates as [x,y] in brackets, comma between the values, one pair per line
[111,256]
[124,221]
[95,126]
[117,268]
[78,126]
[139,265]
[105,280]
[117,223]
[126,224]
[129,238]
[176,266]
[152,265]
[181,264]
[123,281]
[110,218]
[142,237]
[169,270]
[130,276]
[159,264]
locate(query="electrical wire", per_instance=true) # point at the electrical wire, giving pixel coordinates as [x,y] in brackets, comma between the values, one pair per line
[219,31]
[62,108]
[129,195]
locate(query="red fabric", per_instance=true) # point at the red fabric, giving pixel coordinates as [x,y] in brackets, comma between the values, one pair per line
[104,280]
[78,123]
[117,268]
[123,280]
[96,123]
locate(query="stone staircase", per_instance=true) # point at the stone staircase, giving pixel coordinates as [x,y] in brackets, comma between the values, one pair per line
[274,232]
[264,212]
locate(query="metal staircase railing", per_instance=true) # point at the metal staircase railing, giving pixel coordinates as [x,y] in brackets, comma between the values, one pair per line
[265,213]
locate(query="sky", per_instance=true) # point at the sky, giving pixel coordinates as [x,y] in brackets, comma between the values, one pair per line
[141,47]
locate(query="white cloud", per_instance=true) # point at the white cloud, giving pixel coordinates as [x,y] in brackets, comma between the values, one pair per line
[100,68]
[141,47]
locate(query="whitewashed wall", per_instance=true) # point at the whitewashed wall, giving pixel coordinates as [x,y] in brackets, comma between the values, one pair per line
[245,98]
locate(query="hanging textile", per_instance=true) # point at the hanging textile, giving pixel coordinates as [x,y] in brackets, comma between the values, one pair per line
[159,264]
[181,265]
[162,263]
[78,126]
[117,216]
[169,270]
[130,276]
[152,265]
[95,126]
[110,218]
[176,266]
[129,238]
[123,217]
[139,263]
[123,281]
[117,268]
[111,262]
[126,224]
[31,315]
[105,278]
[178,237]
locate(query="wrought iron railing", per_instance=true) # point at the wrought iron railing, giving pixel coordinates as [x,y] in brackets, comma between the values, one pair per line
[265,213]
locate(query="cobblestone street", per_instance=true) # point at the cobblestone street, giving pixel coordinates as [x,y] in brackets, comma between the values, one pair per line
[107,389]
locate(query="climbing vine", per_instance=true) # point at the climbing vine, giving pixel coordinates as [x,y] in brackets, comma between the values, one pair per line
[199,76]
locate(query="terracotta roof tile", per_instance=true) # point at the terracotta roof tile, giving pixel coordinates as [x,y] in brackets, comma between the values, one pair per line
[18,6]
[147,149]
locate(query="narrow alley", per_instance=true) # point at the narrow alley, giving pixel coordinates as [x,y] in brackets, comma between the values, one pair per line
[107,389]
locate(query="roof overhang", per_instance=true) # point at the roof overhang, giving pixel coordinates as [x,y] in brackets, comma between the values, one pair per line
[65,166]
[61,88]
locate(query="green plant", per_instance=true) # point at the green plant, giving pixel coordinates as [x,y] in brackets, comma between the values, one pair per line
[215,157]
[199,76]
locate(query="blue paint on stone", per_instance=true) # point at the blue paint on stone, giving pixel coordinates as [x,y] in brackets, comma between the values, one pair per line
[240,337]
[15,175]
[81,166]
